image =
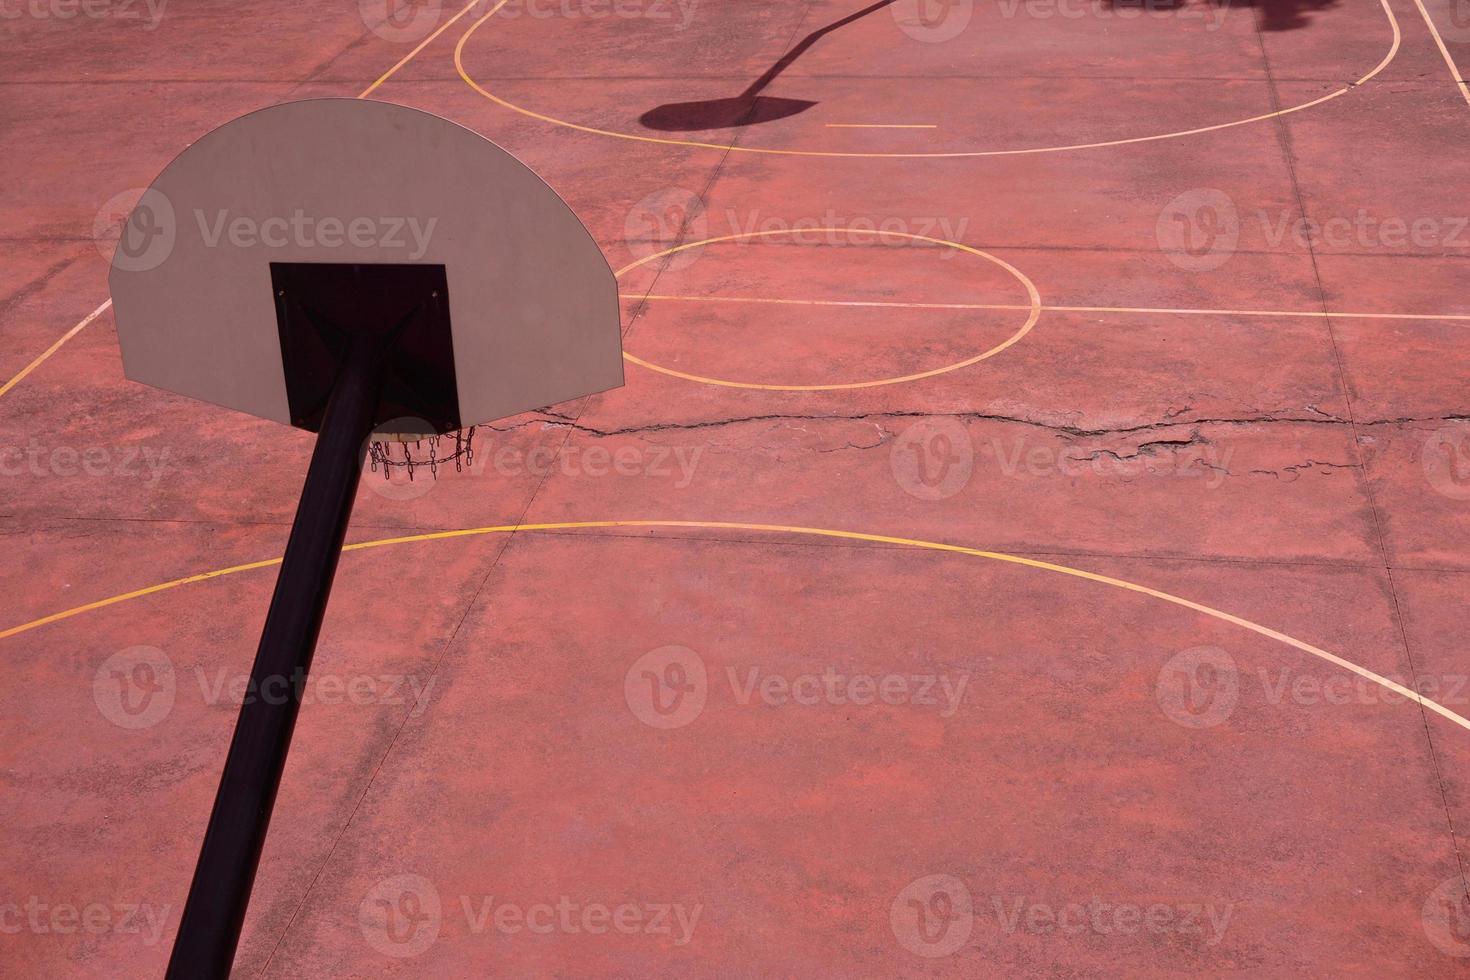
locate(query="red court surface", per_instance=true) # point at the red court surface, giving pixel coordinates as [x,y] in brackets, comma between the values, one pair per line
[1033,538]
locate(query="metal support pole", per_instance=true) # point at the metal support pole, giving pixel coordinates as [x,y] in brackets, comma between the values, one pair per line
[215,911]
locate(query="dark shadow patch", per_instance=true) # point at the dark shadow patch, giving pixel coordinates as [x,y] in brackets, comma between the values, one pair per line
[1271,15]
[749,108]
[742,110]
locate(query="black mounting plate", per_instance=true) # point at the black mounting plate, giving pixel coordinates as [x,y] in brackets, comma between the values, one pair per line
[321,306]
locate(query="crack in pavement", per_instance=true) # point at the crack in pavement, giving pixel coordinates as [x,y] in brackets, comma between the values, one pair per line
[554,419]
[1310,464]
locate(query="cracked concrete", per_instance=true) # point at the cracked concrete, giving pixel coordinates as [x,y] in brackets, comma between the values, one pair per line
[1321,418]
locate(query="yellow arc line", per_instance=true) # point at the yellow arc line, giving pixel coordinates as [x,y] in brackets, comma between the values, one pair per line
[105,306]
[55,347]
[1046,307]
[1444,52]
[1034,307]
[1117,583]
[423,44]
[733,147]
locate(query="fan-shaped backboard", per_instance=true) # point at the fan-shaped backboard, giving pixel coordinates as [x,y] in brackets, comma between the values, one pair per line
[532,305]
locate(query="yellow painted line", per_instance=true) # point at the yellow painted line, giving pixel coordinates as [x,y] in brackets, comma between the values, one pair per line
[1034,308]
[1047,566]
[882,126]
[424,44]
[56,346]
[1444,52]
[882,304]
[738,148]
[1272,313]
[136,594]
[108,304]
[1045,307]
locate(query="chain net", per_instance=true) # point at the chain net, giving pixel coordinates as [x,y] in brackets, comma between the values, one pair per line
[429,451]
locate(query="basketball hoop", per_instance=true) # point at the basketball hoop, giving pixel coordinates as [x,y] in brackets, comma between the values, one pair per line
[381,452]
[314,311]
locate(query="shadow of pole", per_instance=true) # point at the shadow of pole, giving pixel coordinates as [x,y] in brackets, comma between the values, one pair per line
[749,107]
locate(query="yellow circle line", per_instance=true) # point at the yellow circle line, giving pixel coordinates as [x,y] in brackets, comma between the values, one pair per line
[422,44]
[732,147]
[1265,631]
[1021,277]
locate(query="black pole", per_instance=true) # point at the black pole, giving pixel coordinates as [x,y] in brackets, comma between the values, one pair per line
[209,929]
